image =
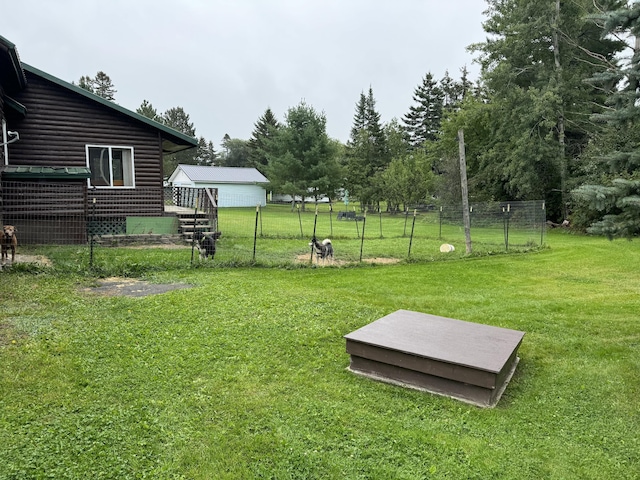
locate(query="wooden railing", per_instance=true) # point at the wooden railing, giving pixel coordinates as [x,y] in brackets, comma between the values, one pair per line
[204,200]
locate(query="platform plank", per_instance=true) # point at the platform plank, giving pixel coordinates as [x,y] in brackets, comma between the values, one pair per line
[440,354]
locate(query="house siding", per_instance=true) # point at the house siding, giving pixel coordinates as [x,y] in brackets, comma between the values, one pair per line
[60,123]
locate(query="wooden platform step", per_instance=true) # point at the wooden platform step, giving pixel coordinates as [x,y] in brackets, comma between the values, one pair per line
[467,361]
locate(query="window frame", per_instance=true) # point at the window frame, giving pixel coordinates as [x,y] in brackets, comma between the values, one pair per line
[110,149]
[5,145]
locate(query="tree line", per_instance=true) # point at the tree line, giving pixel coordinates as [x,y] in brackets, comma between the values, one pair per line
[552,116]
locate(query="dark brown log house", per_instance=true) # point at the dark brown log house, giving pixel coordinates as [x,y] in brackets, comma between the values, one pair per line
[69,158]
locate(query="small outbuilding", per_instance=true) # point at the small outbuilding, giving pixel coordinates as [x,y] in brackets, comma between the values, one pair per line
[237,186]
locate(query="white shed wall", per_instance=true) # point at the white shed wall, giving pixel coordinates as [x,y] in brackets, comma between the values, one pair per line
[241,195]
[232,195]
[181,180]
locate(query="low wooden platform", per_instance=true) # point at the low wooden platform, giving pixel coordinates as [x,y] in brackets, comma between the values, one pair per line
[467,361]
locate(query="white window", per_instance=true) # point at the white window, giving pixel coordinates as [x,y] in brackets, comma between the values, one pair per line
[111,166]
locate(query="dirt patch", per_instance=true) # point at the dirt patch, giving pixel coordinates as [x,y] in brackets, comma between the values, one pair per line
[9,335]
[38,259]
[128,287]
[162,246]
[379,260]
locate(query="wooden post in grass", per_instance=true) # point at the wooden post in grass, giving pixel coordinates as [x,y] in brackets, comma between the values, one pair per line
[300,221]
[355,217]
[465,191]
[406,216]
[364,223]
[255,232]
[412,227]
[506,214]
[331,218]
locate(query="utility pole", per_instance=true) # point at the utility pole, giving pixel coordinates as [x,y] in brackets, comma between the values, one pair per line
[465,191]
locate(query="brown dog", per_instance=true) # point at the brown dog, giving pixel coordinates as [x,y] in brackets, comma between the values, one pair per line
[9,242]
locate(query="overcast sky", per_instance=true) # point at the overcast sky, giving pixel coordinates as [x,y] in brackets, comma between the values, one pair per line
[226,61]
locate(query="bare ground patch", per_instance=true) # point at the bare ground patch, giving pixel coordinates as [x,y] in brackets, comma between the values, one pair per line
[129,287]
[38,259]
[9,334]
[304,258]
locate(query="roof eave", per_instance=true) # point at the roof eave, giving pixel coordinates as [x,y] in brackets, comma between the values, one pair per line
[16,66]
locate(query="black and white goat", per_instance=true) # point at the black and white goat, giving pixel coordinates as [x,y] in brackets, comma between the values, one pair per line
[323,250]
[206,243]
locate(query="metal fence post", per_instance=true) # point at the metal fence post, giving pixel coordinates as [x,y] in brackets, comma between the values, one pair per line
[93,213]
[315,222]
[364,223]
[255,232]
[193,235]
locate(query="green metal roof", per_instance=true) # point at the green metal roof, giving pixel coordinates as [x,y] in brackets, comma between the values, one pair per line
[26,171]
[177,141]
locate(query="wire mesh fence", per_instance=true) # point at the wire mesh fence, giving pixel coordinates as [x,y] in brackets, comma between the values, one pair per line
[513,223]
[58,218]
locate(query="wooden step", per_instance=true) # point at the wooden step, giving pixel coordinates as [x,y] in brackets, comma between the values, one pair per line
[463,360]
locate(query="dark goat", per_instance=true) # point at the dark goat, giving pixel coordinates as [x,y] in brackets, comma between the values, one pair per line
[207,243]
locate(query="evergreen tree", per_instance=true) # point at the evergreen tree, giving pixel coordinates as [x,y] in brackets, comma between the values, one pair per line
[380,154]
[101,85]
[451,92]
[618,200]
[147,110]
[179,120]
[205,153]
[86,82]
[423,120]
[533,65]
[266,127]
[367,152]
[301,157]
[359,118]
[466,86]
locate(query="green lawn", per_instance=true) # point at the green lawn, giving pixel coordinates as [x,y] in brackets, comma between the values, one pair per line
[244,375]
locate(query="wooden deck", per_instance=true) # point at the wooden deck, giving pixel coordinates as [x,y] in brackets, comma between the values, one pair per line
[467,361]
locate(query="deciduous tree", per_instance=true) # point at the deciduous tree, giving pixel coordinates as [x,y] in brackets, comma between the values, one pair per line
[235,152]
